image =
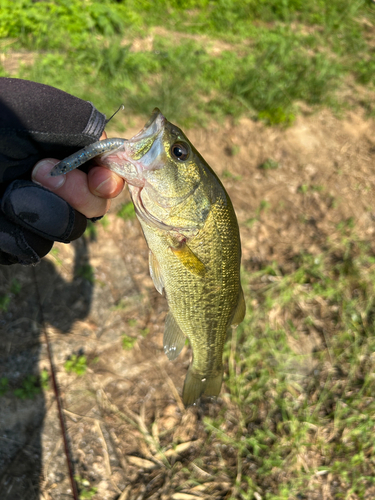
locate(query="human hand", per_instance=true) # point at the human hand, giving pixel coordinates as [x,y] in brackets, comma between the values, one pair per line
[32,217]
[38,122]
[89,194]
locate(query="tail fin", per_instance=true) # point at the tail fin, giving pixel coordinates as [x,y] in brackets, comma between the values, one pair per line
[195,385]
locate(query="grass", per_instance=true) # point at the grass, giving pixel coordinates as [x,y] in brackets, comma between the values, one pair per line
[87,272]
[297,419]
[128,342]
[30,387]
[14,289]
[269,164]
[126,211]
[4,386]
[261,59]
[76,364]
[86,491]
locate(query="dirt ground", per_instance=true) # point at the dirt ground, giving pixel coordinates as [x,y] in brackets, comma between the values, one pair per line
[127,405]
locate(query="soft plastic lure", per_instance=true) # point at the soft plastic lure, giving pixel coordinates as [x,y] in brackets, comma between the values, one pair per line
[83,155]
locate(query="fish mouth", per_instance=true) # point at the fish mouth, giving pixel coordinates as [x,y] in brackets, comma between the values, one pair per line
[138,146]
[153,126]
[141,153]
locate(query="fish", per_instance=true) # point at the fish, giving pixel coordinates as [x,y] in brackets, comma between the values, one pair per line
[192,233]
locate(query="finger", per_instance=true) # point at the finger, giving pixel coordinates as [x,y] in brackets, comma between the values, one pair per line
[74,189]
[104,183]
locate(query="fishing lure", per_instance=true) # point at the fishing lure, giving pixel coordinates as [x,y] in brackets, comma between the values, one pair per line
[83,155]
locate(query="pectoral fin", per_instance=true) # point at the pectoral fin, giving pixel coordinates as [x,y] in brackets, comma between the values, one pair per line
[189,260]
[174,338]
[240,311]
[155,272]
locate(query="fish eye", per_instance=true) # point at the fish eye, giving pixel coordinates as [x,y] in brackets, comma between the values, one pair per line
[180,151]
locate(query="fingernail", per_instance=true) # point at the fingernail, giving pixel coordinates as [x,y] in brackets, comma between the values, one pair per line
[41,175]
[106,188]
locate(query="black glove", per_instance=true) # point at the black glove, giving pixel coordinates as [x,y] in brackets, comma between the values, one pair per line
[36,122]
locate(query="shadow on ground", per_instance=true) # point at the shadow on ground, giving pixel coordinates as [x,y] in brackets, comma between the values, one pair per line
[23,405]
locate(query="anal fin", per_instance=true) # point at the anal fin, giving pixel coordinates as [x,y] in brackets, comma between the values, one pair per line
[174,338]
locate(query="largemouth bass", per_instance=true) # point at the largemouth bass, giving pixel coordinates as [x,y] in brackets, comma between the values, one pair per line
[194,245]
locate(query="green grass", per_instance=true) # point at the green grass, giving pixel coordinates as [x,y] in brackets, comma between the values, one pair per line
[4,302]
[86,491]
[30,387]
[290,415]
[14,289]
[258,58]
[4,386]
[126,211]
[87,272]
[76,364]
[128,342]
[290,421]
[269,164]
[91,231]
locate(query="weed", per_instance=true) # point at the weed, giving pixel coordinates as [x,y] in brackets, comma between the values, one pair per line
[91,231]
[305,54]
[264,205]
[126,211]
[128,342]
[104,222]
[4,302]
[145,332]
[233,150]
[76,364]
[228,175]
[15,287]
[277,116]
[86,271]
[86,491]
[269,164]
[287,416]
[281,412]
[4,386]
[365,71]
[305,188]
[121,305]
[13,290]
[29,389]
[55,254]
[44,379]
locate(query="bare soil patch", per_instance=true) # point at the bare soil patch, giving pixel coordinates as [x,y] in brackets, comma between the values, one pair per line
[130,436]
